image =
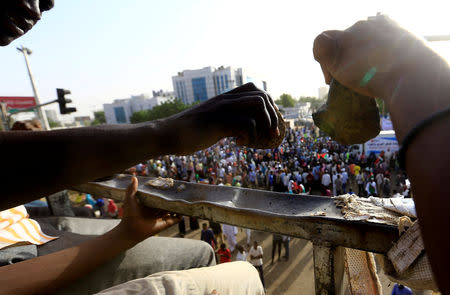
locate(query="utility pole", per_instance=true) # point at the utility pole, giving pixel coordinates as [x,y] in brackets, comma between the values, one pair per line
[41,114]
[4,117]
[435,38]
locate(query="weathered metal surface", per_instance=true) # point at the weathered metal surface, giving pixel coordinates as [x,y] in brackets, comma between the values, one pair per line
[324,269]
[260,210]
[329,276]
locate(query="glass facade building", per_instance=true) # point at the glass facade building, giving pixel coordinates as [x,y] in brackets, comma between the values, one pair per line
[199,89]
[201,84]
[180,88]
[119,112]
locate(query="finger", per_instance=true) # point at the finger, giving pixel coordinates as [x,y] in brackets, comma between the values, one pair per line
[273,115]
[326,74]
[253,107]
[132,187]
[155,211]
[237,95]
[171,220]
[326,50]
[161,213]
[248,132]
[259,112]
[46,5]
[272,102]
[244,88]
[130,194]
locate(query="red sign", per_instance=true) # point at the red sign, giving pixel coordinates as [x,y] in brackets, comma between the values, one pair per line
[18,102]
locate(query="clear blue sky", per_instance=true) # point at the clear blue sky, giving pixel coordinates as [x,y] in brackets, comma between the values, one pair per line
[107,49]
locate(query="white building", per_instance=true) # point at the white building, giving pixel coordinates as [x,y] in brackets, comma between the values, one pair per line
[120,111]
[323,92]
[301,110]
[202,84]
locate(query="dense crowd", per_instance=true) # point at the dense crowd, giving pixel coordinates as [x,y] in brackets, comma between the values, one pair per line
[305,163]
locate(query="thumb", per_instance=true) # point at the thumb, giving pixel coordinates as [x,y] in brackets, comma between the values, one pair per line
[325,51]
[131,191]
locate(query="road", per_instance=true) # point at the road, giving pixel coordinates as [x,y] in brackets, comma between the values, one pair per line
[295,276]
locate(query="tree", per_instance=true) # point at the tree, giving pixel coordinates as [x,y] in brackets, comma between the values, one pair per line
[54,124]
[163,110]
[286,100]
[99,118]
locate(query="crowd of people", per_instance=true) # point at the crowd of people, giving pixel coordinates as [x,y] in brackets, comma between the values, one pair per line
[305,163]
[410,78]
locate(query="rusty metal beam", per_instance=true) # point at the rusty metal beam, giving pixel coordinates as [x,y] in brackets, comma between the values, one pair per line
[329,277]
[291,215]
[323,269]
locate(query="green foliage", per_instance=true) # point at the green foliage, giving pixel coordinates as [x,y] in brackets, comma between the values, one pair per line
[54,124]
[382,107]
[286,100]
[163,110]
[315,102]
[99,118]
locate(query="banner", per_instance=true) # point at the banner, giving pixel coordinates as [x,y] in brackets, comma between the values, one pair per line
[15,103]
[386,123]
[384,141]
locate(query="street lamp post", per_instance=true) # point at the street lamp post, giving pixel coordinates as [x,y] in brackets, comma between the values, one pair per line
[41,114]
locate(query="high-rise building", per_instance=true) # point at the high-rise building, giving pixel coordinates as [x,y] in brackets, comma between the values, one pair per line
[202,84]
[120,111]
[323,92]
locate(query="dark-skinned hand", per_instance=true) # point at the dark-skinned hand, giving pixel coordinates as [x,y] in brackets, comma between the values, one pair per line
[380,45]
[140,222]
[245,112]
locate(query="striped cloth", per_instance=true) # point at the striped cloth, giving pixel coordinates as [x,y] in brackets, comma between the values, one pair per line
[17,228]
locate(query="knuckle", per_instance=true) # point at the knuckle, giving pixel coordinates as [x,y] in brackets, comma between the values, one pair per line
[259,102]
[361,24]
[250,85]
[318,46]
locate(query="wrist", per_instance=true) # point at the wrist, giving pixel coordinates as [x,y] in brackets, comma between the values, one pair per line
[169,134]
[153,137]
[417,62]
[124,231]
[413,70]
[418,95]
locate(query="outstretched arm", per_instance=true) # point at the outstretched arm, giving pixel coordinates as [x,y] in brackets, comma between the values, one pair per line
[38,163]
[414,82]
[63,267]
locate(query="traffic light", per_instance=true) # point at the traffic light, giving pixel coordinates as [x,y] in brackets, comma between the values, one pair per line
[62,101]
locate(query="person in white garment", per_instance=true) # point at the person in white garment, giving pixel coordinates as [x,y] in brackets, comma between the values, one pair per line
[230,231]
[241,254]
[256,255]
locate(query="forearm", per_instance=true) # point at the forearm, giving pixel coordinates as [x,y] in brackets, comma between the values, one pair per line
[45,274]
[419,96]
[35,164]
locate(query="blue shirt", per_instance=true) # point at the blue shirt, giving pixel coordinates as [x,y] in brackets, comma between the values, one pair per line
[208,236]
[404,291]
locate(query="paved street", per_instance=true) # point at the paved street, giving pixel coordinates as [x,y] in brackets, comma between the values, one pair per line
[292,277]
